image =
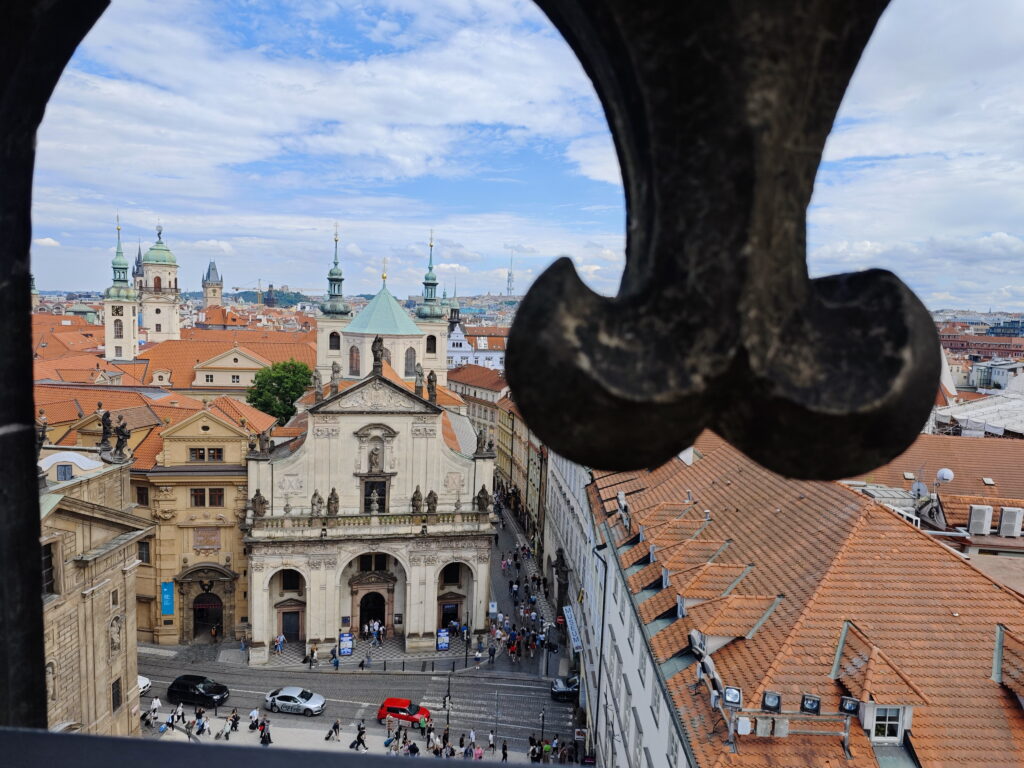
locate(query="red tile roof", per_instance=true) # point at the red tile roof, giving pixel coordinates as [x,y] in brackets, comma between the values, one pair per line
[478,376]
[181,357]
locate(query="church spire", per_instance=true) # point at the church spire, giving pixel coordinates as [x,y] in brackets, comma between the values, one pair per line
[430,309]
[335,304]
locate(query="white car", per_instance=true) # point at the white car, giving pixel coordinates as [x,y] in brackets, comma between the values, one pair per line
[294,699]
[144,685]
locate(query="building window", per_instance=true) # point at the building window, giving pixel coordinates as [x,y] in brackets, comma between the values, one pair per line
[113,599]
[216,497]
[381,487]
[144,551]
[334,340]
[208,377]
[236,379]
[158,328]
[291,581]
[65,472]
[115,694]
[119,329]
[431,345]
[450,573]
[49,575]
[156,285]
[353,361]
[410,362]
[142,495]
[197,454]
[374,562]
[198,497]
[118,352]
[215,454]
[887,724]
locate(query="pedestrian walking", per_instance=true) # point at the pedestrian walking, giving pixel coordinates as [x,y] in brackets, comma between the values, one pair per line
[179,712]
[170,722]
[265,739]
[490,742]
[504,750]
[472,736]
[154,707]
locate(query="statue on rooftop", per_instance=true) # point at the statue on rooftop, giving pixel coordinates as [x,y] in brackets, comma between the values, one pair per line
[259,504]
[419,380]
[377,348]
[265,442]
[122,433]
[432,387]
[332,503]
[253,448]
[483,499]
[417,501]
[318,385]
[432,503]
[316,504]
[481,441]
[107,430]
[375,459]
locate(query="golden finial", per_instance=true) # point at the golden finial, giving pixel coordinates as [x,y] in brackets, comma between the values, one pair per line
[117,218]
[335,231]
[384,274]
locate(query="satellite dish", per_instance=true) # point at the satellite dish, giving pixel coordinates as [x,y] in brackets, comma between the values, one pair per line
[918,490]
[944,475]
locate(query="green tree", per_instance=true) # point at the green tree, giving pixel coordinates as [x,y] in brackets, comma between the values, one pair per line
[275,389]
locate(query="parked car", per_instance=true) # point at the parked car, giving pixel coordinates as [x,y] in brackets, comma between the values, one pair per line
[144,685]
[565,688]
[196,689]
[292,698]
[402,709]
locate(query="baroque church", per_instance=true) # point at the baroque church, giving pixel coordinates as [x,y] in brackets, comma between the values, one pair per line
[381,508]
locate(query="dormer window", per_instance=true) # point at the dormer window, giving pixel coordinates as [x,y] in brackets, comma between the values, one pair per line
[888,725]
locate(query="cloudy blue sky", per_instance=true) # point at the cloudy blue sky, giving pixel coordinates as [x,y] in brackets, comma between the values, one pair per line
[249,127]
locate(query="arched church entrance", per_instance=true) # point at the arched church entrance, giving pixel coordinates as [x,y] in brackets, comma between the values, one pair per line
[207,615]
[454,595]
[372,608]
[288,599]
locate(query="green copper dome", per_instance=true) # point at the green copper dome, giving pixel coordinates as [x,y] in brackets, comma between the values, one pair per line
[121,293]
[159,253]
[384,316]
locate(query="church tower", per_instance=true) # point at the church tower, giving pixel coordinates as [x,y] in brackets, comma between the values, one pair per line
[120,311]
[336,316]
[431,317]
[213,287]
[159,289]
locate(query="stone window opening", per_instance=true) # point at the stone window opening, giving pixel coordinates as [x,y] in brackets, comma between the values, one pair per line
[410,362]
[353,360]
[334,341]
[118,329]
[431,345]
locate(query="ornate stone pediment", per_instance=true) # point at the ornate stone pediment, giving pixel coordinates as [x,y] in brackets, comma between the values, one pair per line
[372,578]
[291,602]
[375,395]
[450,596]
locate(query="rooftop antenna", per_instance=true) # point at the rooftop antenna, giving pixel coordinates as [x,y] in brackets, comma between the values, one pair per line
[508,284]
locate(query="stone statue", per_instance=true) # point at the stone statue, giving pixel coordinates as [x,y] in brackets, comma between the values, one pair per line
[316,504]
[265,443]
[40,433]
[375,459]
[481,441]
[259,504]
[377,348]
[432,387]
[115,634]
[419,380]
[432,503]
[318,385]
[483,499]
[51,683]
[332,503]
[335,377]
[252,445]
[374,502]
[458,503]
[108,430]
[122,433]
[490,446]
[417,501]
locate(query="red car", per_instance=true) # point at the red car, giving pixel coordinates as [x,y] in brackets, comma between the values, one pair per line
[402,709]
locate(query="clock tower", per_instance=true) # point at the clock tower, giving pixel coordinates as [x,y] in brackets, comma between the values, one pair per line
[120,311]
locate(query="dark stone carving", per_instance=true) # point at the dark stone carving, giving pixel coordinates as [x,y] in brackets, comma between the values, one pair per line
[431,503]
[417,501]
[259,504]
[418,386]
[432,387]
[481,441]
[106,430]
[265,443]
[374,459]
[318,386]
[316,504]
[332,503]
[483,499]
[717,324]
[335,377]
[122,433]
[253,448]
[377,348]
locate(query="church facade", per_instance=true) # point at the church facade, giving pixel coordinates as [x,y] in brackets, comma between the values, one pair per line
[379,514]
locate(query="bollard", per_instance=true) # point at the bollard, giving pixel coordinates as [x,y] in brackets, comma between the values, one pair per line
[431,666]
[403,665]
[385,665]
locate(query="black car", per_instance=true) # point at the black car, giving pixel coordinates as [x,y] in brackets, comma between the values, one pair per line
[565,688]
[196,689]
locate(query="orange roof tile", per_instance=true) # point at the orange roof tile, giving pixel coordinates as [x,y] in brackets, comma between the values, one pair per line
[181,357]
[1012,667]
[235,411]
[478,376]
[869,675]
[448,433]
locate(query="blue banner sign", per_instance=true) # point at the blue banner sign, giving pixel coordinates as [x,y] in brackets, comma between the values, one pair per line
[167,598]
[345,644]
[442,639]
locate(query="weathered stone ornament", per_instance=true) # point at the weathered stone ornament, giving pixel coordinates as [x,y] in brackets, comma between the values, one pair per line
[720,113]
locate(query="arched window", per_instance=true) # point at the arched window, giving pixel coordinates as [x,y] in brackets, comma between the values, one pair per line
[118,329]
[353,360]
[431,345]
[410,362]
[156,283]
[335,340]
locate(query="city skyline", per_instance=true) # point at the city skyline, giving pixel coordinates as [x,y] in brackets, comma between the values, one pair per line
[475,120]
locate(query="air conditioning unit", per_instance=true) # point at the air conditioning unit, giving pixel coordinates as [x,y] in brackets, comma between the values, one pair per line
[979,521]
[1010,521]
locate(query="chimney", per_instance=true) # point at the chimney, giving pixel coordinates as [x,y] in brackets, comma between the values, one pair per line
[979,520]
[174,403]
[1010,522]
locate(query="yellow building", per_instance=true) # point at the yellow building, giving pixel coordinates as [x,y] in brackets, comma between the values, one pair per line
[91,545]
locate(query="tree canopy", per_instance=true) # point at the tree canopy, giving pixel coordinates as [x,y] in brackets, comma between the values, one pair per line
[275,389]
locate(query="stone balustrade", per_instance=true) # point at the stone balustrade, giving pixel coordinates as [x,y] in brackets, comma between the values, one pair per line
[392,523]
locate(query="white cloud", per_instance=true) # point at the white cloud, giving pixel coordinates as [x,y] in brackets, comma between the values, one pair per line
[595,158]
[46,242]
[452,269]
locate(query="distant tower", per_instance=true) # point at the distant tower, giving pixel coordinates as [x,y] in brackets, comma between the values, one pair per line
[270,298]
[431,317]
[213,286]
[36,298]
[159,289]
[508,285]
[336,315]
[120,311]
